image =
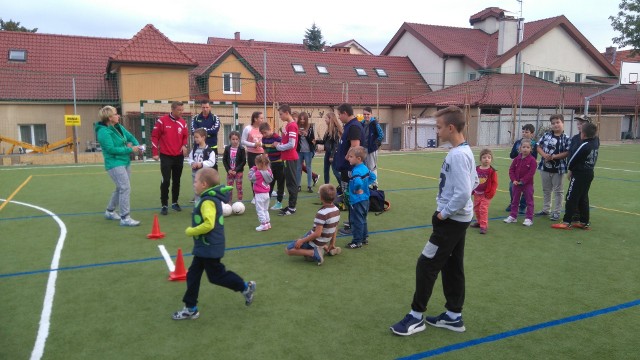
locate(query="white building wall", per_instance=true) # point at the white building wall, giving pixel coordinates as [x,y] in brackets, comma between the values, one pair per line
[557,51]
[428,63]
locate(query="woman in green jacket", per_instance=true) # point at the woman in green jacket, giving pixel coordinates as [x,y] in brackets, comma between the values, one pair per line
[117,144]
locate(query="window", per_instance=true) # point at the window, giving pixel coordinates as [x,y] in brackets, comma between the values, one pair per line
[231,83]
[472,76]
[322,69]
[18,55]
[546,75]
[384,131]
[298,68]
[578,78]
[228,128]
[361,72]
[35,134]
[381,72]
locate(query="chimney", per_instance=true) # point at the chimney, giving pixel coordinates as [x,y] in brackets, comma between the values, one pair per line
[610,54]
[507,34]
[237,35]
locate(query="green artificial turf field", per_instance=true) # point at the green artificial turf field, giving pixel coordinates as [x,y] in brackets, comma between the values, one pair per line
[531,293]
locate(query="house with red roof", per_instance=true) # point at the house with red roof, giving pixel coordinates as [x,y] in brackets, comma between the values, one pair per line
[37,81]
[552,49]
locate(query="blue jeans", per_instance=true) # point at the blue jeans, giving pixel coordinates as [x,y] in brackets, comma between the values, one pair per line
[306,157]
[358,221]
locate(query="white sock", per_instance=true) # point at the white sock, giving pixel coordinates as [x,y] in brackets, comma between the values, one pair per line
[453,315]
[415,314]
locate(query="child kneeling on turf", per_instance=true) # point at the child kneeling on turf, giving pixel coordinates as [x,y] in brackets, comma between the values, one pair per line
[323,235]
[207,230]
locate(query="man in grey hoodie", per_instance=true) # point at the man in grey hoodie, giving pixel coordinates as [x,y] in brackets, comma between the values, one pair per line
[444,252]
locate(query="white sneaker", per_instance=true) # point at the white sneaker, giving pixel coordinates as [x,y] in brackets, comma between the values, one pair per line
[274,193]
[253,201]
[128,221]
[527,222]
[263,227]
[510,220]
[111,215]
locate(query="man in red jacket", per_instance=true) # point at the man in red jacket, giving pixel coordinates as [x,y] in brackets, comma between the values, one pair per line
[169,140]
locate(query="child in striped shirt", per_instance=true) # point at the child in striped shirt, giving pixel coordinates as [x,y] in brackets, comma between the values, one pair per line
[323,235]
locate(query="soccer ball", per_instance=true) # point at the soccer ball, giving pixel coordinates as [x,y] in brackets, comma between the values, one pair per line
[226,209]
[237,208]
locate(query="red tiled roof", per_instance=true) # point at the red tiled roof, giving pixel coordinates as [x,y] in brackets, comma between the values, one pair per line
[503,90]
[617,58]
[150,46]
[351,42]
[486,13]
[480,50]
[403,80]
[269,44]
[52,62]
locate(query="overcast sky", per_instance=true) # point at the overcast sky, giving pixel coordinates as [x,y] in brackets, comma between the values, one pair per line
[371,23]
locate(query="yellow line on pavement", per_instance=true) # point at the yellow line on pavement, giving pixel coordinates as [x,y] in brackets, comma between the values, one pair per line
[615,210]
[14,193]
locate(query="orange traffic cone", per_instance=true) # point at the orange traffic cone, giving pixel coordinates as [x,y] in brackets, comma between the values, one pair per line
[155,230]
[179,274]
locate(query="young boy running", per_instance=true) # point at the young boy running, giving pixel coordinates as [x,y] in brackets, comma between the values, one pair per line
[444,252]
[207,230]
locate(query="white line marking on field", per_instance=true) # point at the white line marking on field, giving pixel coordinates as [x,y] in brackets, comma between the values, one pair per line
[167,258]
[45,317]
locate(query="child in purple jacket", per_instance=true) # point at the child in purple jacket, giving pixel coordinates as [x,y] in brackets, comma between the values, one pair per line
[521,173]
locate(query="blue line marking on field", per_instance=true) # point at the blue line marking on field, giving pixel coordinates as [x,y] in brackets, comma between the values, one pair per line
[524,330]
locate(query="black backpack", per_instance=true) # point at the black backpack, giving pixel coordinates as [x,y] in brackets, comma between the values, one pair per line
[377,201]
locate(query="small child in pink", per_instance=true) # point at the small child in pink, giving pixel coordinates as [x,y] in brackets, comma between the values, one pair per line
[261,176]
[521,173]
[485,191]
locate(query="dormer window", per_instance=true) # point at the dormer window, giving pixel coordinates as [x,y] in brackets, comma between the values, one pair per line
[298,68]
[17,55]
[322,69]
[361,72]
[381,73]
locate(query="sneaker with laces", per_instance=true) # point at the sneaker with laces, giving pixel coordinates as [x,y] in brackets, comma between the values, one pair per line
[164,210]
[527,222]
[408,326]
[287,211]
[248,292]
[111,215]
[186,314]
[542,213]
[128,221]
[262,227]
[353,245]
[309,189]
[510,219]
[508,209]
[277,206]
[444,321]
[176,207]
[365,241]
[562,226]
[483,231]
[475,225]
[335,251]
[345,231]
[315,179]
[317,255]
[554,217]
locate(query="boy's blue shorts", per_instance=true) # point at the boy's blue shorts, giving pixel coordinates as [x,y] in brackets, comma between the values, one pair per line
[304,246]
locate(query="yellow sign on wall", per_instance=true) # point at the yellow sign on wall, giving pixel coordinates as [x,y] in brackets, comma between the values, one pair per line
[72,120]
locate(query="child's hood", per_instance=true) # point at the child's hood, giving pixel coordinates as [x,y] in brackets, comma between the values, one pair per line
[221,192]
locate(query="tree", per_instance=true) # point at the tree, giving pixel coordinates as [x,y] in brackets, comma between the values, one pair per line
[14,26]
[627,22]
[313,38]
